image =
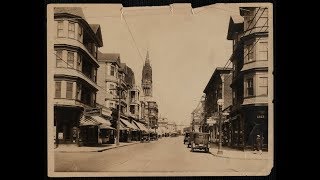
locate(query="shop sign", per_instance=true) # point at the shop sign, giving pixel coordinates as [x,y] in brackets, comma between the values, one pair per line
[92,112]
[60,135]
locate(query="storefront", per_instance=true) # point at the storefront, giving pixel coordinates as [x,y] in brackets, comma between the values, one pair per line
[95,130]
[256,123]
[226,131]
[88,131]
[66,122]
[246,124]
[129,132]
[124,133]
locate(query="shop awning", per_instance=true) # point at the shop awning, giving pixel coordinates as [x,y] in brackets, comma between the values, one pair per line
[88,121]
[123,127]
[104,126]
[141,126]
[129,125]
[102,120]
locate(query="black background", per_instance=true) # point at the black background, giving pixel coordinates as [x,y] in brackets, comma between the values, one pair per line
[35,147]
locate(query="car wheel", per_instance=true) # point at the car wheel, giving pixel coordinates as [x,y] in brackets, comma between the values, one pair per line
[207,150]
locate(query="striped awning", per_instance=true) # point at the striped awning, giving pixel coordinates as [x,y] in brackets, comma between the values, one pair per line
[102,120]
[95,121]
[123,127]
[129,125]
[88,121]
[140,126]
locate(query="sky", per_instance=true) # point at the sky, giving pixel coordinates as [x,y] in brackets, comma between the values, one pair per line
[184,48]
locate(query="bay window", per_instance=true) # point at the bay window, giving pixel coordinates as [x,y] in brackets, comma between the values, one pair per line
[58,89]
[263,86]
[249,53]
[59,61]
[60,29]
[249,87]
[70,60]
[71,30]
[69,90]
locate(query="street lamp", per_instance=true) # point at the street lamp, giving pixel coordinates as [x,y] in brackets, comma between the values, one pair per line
[220,103]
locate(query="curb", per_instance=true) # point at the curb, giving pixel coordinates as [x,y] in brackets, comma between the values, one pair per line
[100,150]
[248,158]
[239,157]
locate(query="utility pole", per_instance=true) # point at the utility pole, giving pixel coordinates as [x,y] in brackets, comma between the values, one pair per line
[118,120]
[119,91]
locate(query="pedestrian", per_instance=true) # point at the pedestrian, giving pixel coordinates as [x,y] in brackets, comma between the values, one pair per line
[259,144]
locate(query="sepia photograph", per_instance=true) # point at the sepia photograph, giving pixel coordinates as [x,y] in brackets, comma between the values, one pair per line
[160,90]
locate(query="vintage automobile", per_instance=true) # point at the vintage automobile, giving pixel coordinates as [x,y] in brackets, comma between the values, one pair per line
[186,137]
[199,141]
[189,139]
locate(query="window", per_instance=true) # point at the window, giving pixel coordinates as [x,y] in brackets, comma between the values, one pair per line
[69,90]
[112,71]
[249,19]
[249,85]
[59,62]
[80,33]
[78,95]
[60,29]
[132,109]
[263,51]
[79,62]
[233,97]
[94,50]
[93,99]
[58,90]
[263,85]
[248,53]
[262,22]
[111,87]
[71,30]
[95,75]
[220,91]
[70,59]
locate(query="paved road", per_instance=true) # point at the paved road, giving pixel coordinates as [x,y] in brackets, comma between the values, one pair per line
[165,155]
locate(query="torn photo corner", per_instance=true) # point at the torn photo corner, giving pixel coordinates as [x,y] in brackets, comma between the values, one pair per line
[160,90]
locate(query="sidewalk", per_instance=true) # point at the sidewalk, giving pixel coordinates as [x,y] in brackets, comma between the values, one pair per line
[238,154]
[104,147]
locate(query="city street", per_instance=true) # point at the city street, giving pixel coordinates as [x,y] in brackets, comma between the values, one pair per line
[165,155]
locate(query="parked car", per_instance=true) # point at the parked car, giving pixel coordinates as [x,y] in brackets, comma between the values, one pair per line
[200,141]
[189,139]
[186,137]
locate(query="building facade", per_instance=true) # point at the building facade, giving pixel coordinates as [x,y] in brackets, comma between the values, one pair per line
[249,113]
[217,88]
[75,74]
[117,81]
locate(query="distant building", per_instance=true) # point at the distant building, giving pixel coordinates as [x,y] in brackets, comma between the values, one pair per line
[197,117]
[218,87]
[249,113]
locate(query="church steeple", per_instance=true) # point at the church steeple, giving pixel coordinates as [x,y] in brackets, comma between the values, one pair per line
[147,77]
[147,58]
